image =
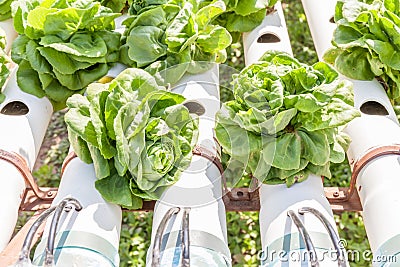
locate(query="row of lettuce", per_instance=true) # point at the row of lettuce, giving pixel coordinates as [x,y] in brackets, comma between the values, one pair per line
[63,46]
[284,123]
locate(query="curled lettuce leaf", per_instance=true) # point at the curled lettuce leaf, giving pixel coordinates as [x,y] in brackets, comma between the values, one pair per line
[138,136]
[63,46]
[171,37]
[286,118]
[367,42]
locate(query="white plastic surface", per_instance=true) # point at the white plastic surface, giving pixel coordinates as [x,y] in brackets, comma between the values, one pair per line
[11,34]
[319,13]
[378,180]
[23,135]
[199,186]
[32,126]
[115,70]
[12,186]
[277,200]
[98,219]
[273,23]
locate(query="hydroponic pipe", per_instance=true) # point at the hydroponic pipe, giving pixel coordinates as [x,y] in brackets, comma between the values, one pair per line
[377,182]
[283,238]
[87,238]
[23,122]
[271,34]
[376,130]
[90,238]
[194,204]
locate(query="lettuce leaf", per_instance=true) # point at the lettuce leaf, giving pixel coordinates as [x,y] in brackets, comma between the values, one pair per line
[367,42]
[63,46]
[138,136]
[286,118]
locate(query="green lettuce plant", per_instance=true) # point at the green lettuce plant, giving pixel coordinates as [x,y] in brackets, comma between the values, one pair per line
[285,120]
[177,35]
[63,46]
[367,42]
[138,135]
[243,15]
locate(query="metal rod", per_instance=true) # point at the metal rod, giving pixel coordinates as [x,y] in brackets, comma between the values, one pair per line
[155,262]
[331,231]
[306,237]
[185,238]
[49,257]
[26,247]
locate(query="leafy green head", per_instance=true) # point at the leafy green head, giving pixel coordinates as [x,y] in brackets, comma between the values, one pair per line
[138,136]
[288,116]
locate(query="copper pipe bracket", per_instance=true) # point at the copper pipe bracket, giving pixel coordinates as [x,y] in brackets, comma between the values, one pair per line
[35,197]
[348,194]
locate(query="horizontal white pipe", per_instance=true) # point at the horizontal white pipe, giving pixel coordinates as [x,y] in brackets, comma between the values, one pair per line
[278,230]
[22,134]
[273,23]
[319,14]
[199,186]
[89,237]
[11,34]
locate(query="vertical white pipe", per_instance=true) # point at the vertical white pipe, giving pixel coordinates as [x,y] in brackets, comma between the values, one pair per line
[89,237]
[22,134]
[278,233]
[377,183]
[199,187]
[319,14]
[273,25]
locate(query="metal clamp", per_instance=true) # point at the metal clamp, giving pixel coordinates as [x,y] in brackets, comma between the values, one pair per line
[62,206]
[360,164]
[21,165]
[306,237]
[331,231]
[23,259]
[185,240]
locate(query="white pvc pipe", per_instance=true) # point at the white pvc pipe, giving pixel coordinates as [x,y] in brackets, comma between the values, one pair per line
[276,200]
[199,187]
[22,134]
[11,34]
[319,13]
[278,233]
[274,24]
[378,182]
[89,237]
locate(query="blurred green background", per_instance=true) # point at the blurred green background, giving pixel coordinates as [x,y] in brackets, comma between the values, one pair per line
[243,227]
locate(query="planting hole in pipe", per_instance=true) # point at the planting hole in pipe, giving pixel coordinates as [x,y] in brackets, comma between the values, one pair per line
[195,107]
[15,108]
[373,108]
[268,38]
[332,20]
